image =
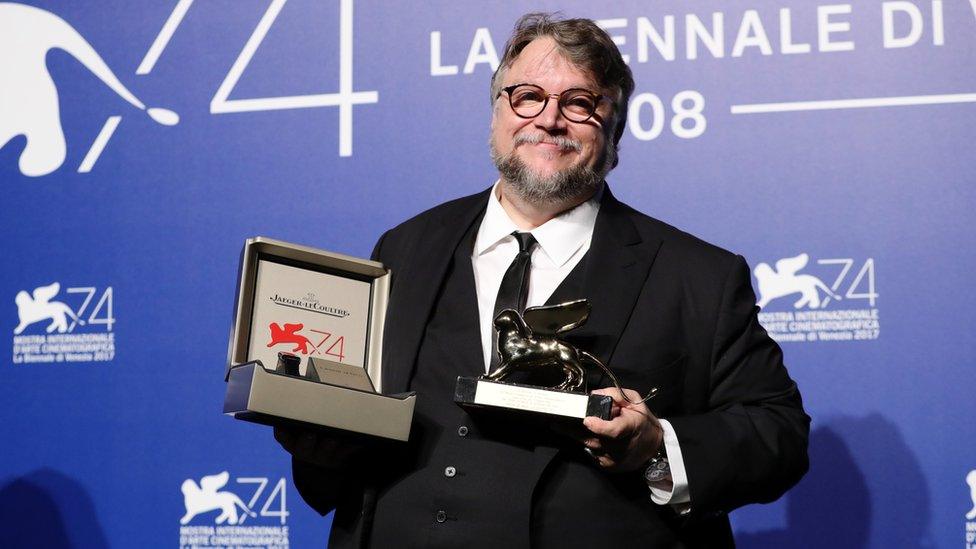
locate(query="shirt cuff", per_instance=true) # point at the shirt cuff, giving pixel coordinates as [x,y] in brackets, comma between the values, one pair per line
[677,494]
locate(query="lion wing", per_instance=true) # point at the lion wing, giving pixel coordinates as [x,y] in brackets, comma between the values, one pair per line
[45,293]
[212,483]
[556,319]
[790,265]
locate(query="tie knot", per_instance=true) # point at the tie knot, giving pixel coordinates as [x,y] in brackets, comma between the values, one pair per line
[525,241]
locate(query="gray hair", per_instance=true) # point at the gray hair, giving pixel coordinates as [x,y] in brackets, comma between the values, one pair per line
[585,45]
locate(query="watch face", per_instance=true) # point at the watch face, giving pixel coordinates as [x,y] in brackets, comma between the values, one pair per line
[658,470]
[656,475]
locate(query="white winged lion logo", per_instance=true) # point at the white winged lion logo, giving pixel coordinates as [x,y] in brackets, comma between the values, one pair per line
[37,307]
[203,498]
[29,98]
[785,281]
[971,481]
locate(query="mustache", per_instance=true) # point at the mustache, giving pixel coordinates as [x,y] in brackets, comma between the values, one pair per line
[563,143]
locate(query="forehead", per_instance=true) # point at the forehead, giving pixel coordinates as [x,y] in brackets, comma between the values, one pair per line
[542,63]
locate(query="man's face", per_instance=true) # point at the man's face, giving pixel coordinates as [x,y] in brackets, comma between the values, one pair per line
[549,147]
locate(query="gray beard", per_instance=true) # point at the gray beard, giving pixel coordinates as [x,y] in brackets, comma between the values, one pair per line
[566,185]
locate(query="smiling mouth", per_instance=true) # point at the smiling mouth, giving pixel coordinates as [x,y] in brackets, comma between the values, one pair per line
[551,146]
[559,143]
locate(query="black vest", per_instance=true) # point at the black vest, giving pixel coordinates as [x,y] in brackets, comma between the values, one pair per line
[457,489]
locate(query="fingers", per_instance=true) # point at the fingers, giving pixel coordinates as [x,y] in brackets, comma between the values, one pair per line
[613,428]
[626,441]
[601,456]
[627,418]
[623,408]
[594,444]
[621,442]
[603,460]
[613,392]
[633,397]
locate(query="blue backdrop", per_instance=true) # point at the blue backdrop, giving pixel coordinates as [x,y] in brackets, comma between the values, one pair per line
[828,143]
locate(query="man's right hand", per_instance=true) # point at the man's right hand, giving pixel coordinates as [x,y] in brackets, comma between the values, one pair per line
[320,449]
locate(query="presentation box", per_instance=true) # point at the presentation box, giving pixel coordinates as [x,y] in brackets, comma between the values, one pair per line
[262,396]
[327,309]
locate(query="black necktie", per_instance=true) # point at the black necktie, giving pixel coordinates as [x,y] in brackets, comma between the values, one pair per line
[514,290]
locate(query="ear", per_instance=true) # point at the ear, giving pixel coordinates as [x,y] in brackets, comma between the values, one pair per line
[494,115]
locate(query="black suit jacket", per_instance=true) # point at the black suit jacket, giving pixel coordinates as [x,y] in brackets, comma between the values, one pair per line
[669,311]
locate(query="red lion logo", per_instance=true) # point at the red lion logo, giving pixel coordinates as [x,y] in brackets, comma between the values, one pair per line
[289,335]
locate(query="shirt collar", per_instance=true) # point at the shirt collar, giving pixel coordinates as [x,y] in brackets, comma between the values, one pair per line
[559,237]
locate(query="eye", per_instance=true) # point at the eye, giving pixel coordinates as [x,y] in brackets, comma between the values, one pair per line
[527,94]
[579,101]
[582,102]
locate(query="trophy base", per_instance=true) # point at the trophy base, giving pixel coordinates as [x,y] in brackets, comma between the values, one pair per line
[476,392]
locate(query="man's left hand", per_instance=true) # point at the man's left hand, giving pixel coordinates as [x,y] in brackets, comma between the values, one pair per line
[629,439]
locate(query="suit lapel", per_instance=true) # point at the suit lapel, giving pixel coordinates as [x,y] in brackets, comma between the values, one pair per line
[419,282]
[615,269]
[617,265]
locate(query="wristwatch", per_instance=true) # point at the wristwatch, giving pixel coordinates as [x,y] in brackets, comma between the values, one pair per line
[658,469]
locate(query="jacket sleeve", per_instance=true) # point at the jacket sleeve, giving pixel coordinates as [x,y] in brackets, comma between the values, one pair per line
[378,248]
[750,445]
[326,485]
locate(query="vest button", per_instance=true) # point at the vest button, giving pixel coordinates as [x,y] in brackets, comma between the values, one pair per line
[450,472]
[441,516]
[462,431]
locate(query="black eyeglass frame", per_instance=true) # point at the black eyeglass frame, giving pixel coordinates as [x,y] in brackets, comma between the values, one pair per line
[597,98]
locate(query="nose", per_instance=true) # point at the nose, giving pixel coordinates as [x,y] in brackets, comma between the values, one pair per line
[551,119]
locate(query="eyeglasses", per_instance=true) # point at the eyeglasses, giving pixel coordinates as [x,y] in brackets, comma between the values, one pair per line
[529,100]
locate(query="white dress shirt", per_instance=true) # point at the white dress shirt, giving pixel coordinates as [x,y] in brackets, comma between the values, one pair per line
[563,241]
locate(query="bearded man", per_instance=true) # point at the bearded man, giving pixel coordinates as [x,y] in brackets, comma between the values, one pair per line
[670,312]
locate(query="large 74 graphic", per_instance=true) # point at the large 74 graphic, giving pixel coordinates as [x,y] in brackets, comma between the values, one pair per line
[344,99]
[222,103]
